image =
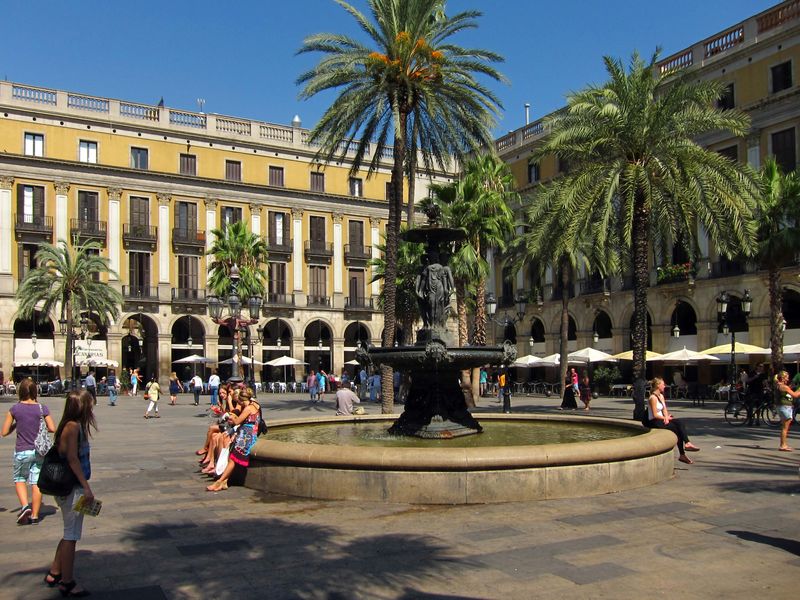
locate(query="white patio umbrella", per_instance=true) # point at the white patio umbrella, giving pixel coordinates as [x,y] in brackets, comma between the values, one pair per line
[528,360]
[38,362]
[99,361]
[684,356]
[552,360]
[194,358]
[792,349]
[739,348]
[353,362]
[245,361]
[590,355]
[284,361]
[628,355]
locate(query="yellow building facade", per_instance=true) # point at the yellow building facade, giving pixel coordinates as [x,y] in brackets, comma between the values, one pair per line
[758,61]
[151,183]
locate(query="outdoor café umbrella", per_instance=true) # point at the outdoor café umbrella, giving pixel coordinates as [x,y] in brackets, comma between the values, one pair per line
[590,355]
[194,359]
[739,348]
[528,360]
[684,356]
[99,361]
[353,362]
[552,360]
[792,349]
[245,361]
[284,361]
[628,355]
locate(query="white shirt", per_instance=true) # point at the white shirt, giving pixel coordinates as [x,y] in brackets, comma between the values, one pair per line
[213,381]
[197,381]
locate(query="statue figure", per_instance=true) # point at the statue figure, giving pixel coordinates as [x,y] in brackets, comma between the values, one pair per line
[434,286]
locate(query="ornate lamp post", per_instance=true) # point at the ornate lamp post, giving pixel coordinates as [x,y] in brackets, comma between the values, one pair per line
[521,302]
[67,327]
[234,320]
[722,314]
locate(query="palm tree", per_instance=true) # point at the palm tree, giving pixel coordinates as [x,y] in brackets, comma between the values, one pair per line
[68,278]
[235,244]
[411,86]
[635,169]
[778,241]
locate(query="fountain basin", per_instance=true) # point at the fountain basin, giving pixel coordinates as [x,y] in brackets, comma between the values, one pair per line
[463,475]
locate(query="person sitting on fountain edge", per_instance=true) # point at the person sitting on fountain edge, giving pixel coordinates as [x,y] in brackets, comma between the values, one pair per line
[345,398]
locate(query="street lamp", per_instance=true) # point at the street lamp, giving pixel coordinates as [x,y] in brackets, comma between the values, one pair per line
[723,300]
[521,302]
[234,320]
[67,327]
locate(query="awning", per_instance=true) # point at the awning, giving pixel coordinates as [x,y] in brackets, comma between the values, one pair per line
[92,353]
[23,352]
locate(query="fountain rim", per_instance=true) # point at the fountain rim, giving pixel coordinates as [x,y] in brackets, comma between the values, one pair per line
[651,442]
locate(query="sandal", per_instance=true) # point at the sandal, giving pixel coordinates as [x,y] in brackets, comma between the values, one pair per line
[691,447]
[68,590]
[54,579]
[685,459]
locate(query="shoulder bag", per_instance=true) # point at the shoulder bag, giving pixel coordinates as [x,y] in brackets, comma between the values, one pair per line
[43,442]
[56,477]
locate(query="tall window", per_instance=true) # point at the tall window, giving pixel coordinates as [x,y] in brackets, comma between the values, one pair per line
[316,227]
[188,164]
[139,273]
[317,181]
[356,235]
[139,158]
[139,215]
[87,151]
[27,259]
[784,149]
[356,187]
[731,152]
[230,215]
[276,176]
[317,280]
[34,144]
[355,282]
[187,272]
[726,100]
[87,207]
[277,280]
[233,170]
[507,298]
[533,172]
[781,76]
[388,191]
[186,218]
[30,203]
[278,228]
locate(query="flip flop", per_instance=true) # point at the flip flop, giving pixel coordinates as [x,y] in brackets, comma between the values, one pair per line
[786,449]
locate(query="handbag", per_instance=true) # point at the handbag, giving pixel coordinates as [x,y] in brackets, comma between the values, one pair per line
[262,424]
[55,476]
[147,392]
[222,461]
[43,442]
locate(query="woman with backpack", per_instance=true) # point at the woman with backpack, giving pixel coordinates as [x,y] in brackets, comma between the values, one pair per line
[26,416]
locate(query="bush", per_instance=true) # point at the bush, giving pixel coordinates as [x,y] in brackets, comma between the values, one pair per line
[605,376]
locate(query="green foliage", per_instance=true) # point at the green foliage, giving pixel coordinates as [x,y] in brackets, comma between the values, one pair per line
[671,272]
[235,244]
[409,259]
[605,376]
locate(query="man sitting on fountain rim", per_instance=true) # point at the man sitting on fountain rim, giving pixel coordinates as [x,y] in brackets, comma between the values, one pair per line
[345,398]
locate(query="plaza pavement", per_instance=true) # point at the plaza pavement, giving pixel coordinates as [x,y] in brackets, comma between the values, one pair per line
[726,527]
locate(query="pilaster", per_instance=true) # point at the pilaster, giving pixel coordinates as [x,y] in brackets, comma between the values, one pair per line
[114,229]
[211,224]
[338,256]
[62,211]
[164,252]
[297,250]
[255,218]
[6,233]
[376,239]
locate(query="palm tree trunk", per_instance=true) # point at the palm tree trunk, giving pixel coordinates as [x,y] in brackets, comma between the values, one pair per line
[641,282]
[775,320]
[563,364]
[390,275]
[463,339]
[479,339]
[412,171]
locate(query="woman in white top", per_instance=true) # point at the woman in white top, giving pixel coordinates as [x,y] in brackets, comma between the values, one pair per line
[659,417]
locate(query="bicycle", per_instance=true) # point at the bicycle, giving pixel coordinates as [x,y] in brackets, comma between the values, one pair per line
[772,417]
[744,410]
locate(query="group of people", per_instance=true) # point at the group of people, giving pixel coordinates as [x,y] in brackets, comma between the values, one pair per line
[233,435]
[72,442]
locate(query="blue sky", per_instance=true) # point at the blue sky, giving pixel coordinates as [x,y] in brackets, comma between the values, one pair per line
[240,55]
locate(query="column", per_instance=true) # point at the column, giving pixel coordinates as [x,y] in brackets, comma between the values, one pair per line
[61,228]
[754,149]
[6,233]
[297,249]
[376,240]
[255,219]
[164,253]
[338,255]
[211,224]
[114,229]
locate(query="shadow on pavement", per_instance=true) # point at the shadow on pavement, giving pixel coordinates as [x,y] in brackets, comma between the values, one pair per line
[791,546]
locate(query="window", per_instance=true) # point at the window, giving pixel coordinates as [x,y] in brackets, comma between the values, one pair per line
[233,170]
[316,226]
[278,225]
[356,187]
[187,272]
[317,182]
[139,158]
[389,191]
[317,284]
[507,293]
[563,165]
[277,280]
[726,100]
[230,215]
[27,259]
[276,176]
[355,279]
[139,273]
[356,235]
[34,144]
[30,204]
[781,76]
[731,152]
[87,208]
[533,172]
[139,215]
[186,218]
[188,164]
[784,149]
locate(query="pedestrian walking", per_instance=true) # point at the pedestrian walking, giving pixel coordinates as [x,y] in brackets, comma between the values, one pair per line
[175,387]
[785,396]
[197,388]
[91,385]
[312,383]
[213,388]
[151,393]
[134,381]
[113,388]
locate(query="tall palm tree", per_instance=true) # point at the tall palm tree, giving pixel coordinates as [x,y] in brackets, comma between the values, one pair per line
[778,241]
[635,168]
[67,278]
[410,86]
[235,244]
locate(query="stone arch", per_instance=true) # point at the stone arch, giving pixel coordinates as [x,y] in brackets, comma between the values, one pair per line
[34,342]
[318,345]
[602,325]
[140,344]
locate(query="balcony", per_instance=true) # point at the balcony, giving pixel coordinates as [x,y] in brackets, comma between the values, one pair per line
[141,238]
[357,255]
[675,273]
[88,230]
[33,228]
[318,252]
[558,292]
[188,240]
[141,298]
[318,301]
[273,299]
[355,303]
[281,251]
[188,301]
[594,286]
[726,268]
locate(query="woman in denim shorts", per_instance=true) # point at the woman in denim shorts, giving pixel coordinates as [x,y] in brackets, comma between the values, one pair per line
[786,396]
[25,417]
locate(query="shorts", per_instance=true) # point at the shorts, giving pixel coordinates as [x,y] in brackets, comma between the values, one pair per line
[785,412]
[26,466]
[73,521]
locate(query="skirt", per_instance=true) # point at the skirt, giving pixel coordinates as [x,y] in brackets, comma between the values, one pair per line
[246,437]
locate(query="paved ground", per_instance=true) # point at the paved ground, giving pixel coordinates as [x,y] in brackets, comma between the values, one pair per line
[727,526]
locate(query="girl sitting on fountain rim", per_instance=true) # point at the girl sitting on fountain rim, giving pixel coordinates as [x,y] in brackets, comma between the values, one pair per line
[659,417]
